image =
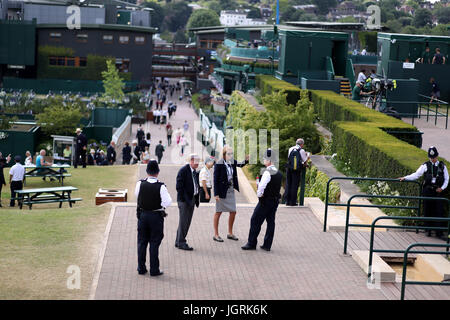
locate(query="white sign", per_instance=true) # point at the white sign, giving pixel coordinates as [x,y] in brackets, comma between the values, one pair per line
[3,135]
[408,65]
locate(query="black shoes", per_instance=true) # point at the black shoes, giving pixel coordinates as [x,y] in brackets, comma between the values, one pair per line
[248,247]
[156,274]
[185,247]
[264,248]
[142,271]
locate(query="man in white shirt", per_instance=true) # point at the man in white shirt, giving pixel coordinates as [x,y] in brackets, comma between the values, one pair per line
[435,181]
[16,176]
[152,198]
[297,158]
[362,76]
[269,196]
[364,52]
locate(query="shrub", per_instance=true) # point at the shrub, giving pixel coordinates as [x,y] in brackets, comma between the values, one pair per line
[316,186]
[268,84]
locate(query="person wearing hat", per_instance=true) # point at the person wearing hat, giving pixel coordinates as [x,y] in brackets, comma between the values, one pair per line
[297,158]
[80,150]
[92,158]
[435,181]
[16,176]
[357,91]
[269,196]
[152,199]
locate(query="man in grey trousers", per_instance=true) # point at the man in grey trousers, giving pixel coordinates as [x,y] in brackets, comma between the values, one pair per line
[187,196]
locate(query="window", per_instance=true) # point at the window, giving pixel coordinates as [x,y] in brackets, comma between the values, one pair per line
[83,62]
[124,39]
[82,37]
[107,38]
[122,64]
[55,36]
[53,61]
[139,40]
[68,61]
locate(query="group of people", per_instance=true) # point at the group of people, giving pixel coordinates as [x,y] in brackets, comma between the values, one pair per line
[221,182]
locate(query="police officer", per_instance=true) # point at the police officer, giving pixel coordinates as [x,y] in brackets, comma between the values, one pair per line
[435,181]
[81,146]
[269,196]
[297,158]
[152,198]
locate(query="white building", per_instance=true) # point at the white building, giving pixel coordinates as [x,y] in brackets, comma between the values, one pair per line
[237,18]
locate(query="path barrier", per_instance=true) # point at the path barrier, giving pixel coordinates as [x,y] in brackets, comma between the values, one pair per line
[327,203]
[417,227]
[405,260]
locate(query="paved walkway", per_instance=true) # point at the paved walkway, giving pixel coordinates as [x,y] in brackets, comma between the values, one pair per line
[304,263]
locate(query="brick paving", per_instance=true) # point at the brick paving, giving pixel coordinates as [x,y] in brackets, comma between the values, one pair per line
[305,263]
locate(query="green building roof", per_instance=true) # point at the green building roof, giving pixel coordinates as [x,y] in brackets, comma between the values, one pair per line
[412,37]
[119,27]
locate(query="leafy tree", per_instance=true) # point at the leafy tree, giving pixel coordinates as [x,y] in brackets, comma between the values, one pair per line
[180,37]
[176,16]
[324,6]
[254,13]
[157,16]
[203,18]
[443,15]
[422,17]
[409,30]
[112,83]
[215,6]
[394,26]
[441,30]
[60,117]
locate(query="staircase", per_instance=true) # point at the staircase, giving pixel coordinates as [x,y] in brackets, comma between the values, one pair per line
[344,87]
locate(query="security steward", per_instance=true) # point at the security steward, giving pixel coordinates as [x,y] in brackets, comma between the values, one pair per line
[269,196]
[435,181]
[152,199]
[81,147]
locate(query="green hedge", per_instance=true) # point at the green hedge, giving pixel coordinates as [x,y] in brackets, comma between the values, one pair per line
[316,186]
[256,65]
[268,84]
[332,107]
[359,138]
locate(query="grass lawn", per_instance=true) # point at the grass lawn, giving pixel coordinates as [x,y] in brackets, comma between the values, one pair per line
[37,246]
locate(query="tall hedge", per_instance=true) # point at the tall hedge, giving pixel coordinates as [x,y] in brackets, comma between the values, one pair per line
[359,138]
[268,84]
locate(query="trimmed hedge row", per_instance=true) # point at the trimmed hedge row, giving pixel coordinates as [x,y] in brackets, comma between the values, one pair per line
[268,84]
[359,138]
[332,107]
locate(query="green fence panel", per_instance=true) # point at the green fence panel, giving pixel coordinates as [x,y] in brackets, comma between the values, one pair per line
[17,142]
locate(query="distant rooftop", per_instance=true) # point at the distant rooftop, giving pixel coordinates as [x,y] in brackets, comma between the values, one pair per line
[121,27]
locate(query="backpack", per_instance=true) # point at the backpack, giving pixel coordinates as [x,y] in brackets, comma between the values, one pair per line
[294,160]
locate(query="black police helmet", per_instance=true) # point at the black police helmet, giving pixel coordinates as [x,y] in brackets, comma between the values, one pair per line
[152,167]
[432,152]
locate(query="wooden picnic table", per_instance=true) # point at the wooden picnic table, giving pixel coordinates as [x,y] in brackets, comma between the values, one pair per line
[56,171]
[46,195]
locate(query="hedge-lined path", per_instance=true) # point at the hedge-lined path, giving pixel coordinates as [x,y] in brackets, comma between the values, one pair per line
[304,263]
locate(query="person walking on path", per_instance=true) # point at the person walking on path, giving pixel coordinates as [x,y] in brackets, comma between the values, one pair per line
[169,131]
[3,163]
[183,144]
[435,181]
[126,153]
[187,197]
[185,126]
[159,150]
[152,199]
[268,199]
[16,176]
[297,158]
[225,181]
[178,134]
[80,150]
[111,153]
[206,180]
[140,134]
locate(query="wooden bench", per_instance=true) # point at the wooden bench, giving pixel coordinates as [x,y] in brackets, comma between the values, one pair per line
[57,172]
[46,195]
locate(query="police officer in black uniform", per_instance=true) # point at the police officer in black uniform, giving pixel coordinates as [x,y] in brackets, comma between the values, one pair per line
[80,150]
[269,197]
[435,181]
[152,198]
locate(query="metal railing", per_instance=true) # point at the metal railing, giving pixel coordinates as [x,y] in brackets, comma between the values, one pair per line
[374,225]
[355,179]
[405,260]
[347,217]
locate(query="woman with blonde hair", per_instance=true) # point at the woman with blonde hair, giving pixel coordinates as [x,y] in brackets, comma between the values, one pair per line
[225,181]
[145,156]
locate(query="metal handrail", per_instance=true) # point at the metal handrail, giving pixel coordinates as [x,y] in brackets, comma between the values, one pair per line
[356,179]
[372,234]
[347,216]
[405,259]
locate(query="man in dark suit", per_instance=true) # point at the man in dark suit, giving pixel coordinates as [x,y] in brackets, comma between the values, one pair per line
[111,153]
[81,146]
[187,196]
[159,150]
